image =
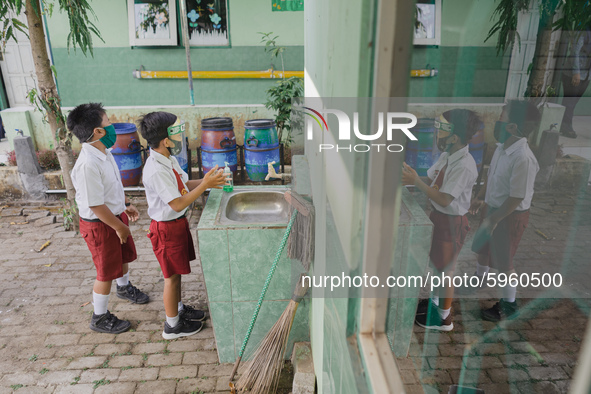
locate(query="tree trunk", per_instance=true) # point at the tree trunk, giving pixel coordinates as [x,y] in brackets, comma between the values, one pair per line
[536,86]
[50,99]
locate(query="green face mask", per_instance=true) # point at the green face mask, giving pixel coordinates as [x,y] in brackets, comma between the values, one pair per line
[176,132]
[109,139]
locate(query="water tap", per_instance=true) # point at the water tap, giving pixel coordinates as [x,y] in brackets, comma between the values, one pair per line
[271,172]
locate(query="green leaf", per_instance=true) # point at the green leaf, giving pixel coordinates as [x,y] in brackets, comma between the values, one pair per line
[54,70]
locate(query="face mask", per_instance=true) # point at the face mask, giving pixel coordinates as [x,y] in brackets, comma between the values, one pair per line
[176,133]
[442,143]
[109,139]
[501,133]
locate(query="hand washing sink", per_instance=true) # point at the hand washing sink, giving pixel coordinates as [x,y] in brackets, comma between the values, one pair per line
[254,206]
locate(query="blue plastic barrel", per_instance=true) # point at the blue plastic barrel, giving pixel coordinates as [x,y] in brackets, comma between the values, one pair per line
[127,152]
[476,147]
[422,154]
[256,161]
[218,144]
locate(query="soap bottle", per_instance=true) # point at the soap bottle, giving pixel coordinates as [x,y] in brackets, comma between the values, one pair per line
[229,185]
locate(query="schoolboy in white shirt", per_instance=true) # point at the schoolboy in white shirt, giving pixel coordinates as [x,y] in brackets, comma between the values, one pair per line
[450,189]
[507,193]
[169,192]
[104,214]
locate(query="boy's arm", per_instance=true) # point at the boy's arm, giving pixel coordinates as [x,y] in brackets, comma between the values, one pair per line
[213,179]
[410,177]
[194,183]
[107,217]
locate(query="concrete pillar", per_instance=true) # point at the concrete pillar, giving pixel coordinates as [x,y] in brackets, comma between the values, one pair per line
[28,168]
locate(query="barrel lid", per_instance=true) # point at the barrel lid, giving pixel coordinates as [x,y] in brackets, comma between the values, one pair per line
[259,124]
[217,123]
[124,128]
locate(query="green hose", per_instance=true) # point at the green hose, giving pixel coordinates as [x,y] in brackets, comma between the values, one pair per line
[264,291]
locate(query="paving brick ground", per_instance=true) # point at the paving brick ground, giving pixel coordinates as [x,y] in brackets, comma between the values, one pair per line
[47,347]
[45,343]
[535,353]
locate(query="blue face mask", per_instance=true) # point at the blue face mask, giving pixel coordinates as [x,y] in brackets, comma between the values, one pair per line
[109,139]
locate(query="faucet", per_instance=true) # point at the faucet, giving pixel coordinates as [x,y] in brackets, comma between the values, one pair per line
[271,172]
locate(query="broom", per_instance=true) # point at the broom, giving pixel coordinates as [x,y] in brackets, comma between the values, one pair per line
[262,375]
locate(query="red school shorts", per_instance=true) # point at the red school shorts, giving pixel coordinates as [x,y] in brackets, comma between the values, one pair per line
[503,242]
[173,246]
[449,234]
[108,253]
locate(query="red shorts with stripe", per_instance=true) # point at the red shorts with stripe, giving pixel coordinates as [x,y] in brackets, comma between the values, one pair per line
[449,234]
[503,242]
[173,246]
[108,253]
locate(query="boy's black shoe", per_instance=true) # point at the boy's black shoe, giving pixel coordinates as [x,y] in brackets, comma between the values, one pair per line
[132,293]
[433,321]
[500,311]
[425,305]
[184,328]
[190,313]
[109,324]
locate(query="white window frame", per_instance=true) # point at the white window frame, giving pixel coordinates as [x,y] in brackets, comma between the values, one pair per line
[172,23]
[393,43]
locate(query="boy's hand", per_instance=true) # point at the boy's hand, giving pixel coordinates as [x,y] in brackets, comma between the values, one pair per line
[475,205]
[409,175]
[123,232]
[214,179]
[132,213]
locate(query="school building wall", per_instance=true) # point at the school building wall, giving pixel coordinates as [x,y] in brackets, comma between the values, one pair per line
[107,77]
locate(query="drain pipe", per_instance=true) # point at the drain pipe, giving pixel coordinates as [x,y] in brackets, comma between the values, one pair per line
[185,28]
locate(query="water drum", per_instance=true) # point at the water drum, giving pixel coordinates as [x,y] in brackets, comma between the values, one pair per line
[476,147]
[127,152]
[218,144]
[261,146]
[423,153]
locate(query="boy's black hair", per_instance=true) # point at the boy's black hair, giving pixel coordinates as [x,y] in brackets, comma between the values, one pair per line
[466,123]
[83,119]
[154,127]
[524,114]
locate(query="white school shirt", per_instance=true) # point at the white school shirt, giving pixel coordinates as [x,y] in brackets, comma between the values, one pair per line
[97,181]
[161,186]
[512,173]
[459,177]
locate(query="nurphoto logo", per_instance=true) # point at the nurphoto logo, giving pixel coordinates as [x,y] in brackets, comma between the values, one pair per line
[391,120]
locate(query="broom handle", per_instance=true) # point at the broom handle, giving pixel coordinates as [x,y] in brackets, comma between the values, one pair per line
[263,292]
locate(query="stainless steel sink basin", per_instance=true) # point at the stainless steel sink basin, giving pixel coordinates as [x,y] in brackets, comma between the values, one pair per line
[254,206]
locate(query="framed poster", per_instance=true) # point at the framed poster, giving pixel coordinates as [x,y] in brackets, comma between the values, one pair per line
[428,22]
[207,21]
[152,22]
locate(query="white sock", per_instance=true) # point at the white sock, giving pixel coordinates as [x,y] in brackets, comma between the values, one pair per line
[435,299]
[509,293]
[443,313]
[172,321]
[124,280]
[100,302]
[181,306]
[481,269]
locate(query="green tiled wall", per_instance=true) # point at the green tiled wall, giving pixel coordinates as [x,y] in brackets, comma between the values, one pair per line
[107,77]
[235,266]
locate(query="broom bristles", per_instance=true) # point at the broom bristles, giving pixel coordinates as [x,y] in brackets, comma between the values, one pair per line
[263,372]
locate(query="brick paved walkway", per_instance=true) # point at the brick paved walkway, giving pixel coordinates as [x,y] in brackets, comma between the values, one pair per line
[47,347]
[45,343]
[535,353]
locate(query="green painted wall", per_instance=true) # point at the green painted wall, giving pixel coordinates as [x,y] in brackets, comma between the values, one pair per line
[468,66]
[107,77]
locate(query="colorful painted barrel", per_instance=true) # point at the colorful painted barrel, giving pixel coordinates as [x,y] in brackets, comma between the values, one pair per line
[476,147]
[260,133]
[127,152]
[218,144]
[423,153]
[256,162]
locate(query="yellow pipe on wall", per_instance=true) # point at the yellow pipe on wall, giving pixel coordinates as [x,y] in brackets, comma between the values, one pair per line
[270,74]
